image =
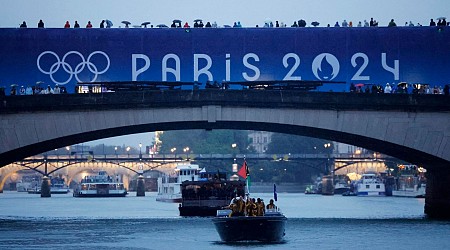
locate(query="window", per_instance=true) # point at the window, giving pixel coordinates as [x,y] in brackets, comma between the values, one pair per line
[378,186]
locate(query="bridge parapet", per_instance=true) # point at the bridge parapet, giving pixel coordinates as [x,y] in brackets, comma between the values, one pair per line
[246,98]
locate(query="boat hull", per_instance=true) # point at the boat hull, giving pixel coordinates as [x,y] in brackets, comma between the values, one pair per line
[408,193]
[169,200]
[198,211]
[258,228]
[91,195]
[371,193]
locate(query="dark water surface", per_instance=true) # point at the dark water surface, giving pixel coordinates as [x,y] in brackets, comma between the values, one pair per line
[314,222]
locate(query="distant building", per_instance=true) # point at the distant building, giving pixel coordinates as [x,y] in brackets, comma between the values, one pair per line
[259,140]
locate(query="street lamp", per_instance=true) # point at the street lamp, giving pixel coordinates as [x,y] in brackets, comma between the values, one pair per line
[327,145]
[68,152]
[128,151]
[186,150]
[233,146]
[140,150]
[173,151]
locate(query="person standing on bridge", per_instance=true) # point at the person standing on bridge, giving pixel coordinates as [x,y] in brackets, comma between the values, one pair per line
[387,89]
[67,25]
[41,24]
[392,23]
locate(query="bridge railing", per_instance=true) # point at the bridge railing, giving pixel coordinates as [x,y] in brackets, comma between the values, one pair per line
[191,157]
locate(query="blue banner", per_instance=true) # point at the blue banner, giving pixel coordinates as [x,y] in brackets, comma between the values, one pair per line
[353,55]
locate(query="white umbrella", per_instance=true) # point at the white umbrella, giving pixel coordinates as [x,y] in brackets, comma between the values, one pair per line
[109,24]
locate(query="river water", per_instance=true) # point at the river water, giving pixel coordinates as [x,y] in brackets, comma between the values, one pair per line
[314,222]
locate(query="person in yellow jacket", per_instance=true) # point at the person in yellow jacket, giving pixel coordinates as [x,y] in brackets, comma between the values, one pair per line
[260,207]
[250,207]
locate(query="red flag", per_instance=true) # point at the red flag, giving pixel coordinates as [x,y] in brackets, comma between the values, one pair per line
[243,172]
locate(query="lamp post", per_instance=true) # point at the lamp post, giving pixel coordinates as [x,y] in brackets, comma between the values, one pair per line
[186,150]
[233,146]
[326,146]
[115,151]
[128,151]
[140,151]
[173,151]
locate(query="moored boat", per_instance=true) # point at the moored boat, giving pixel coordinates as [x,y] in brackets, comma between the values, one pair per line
[370,185]
[267,228]
[100,185]
[169,186]
[58,186]
[409,186]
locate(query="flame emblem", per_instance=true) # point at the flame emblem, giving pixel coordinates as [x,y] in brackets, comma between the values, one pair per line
[325,70]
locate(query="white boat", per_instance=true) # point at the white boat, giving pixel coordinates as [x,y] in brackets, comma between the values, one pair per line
[169,186]
[370,185]
[409,186]
[100,185]
[22,186]
[59,188]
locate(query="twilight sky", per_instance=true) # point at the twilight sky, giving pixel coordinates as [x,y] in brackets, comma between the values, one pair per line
[249,12]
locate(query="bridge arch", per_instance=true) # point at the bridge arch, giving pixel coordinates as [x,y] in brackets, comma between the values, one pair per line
[411,128]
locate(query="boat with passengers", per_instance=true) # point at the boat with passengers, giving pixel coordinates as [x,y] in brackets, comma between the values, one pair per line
[269,227]
[209,193]
[370,185]
[100,185]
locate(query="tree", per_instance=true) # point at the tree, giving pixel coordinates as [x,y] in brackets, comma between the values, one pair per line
[294,144]
[203,141]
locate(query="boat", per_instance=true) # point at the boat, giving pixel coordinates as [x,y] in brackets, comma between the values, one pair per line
[310,189]
[100,185]
[341,187]
[370,185]
[341,184]
[169,186]
[58,186]
[409,186]
[267,228]
[211,192]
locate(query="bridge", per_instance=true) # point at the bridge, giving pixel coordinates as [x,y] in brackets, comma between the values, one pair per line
[73,167]
[414,128]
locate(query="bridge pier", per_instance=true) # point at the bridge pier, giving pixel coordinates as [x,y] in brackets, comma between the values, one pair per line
[437,199]
[140,190]
[45,187]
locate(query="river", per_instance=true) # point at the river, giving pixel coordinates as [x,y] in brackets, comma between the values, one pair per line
[314,222]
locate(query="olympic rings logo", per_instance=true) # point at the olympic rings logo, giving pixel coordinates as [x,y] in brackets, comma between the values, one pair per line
[61,63]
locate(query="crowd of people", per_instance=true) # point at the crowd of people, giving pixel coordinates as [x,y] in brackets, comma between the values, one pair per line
[240,206]
[34,90]
[401,88]
[268,24]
